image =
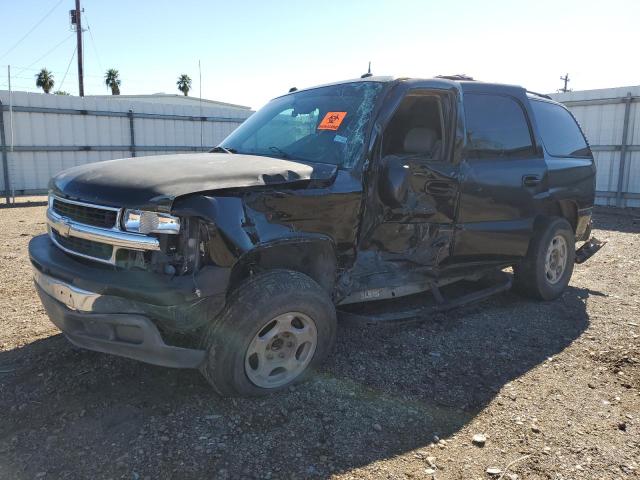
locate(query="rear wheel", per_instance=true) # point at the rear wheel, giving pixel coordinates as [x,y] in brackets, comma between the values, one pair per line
[275,330]
[546,270]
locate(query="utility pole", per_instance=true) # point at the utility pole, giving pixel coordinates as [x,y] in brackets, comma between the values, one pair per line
[566,81]
[79,40]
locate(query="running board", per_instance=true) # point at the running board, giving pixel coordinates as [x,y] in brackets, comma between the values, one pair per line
[437,303]
[589,249]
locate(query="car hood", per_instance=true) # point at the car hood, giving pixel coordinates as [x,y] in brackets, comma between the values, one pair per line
[154,182]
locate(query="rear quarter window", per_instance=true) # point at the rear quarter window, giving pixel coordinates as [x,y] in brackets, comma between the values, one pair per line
[560,133]
[496,126]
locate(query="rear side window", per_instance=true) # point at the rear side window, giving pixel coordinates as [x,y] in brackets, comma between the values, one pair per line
[560,132]
[496,126]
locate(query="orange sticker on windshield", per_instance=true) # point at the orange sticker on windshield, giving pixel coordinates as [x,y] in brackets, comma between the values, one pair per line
[332,121]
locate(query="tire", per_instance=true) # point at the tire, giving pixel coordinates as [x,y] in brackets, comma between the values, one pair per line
[536,278]
[273,314]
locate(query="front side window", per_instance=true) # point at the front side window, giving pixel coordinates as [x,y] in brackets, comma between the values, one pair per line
[416,128]
[560,133]
[496,126]
[324,125]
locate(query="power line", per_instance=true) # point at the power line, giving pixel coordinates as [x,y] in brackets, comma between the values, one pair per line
[93,42]
[52,71]
[31,30]
[68,67]
[48,52]
[140,78]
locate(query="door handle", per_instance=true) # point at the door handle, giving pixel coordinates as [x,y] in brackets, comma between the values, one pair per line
[530,180]
[439,188]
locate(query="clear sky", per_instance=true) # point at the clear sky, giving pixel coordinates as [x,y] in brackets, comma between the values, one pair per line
[254,50]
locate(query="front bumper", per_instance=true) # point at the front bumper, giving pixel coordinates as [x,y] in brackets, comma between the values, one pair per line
[134,314]
[125,334]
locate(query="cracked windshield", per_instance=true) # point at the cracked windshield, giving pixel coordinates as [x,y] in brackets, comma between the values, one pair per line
[324,125]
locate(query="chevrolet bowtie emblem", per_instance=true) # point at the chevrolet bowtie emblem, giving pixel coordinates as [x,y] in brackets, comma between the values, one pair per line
[65,228]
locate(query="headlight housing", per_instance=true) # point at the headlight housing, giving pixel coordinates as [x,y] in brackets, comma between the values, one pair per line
[141,221]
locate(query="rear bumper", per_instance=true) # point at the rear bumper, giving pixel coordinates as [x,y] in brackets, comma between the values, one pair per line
[125,334]
[583,224]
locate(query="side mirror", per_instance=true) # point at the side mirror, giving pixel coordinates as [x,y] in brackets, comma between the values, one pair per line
[394,181]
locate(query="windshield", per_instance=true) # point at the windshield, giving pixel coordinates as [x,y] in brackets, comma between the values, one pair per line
[325,125]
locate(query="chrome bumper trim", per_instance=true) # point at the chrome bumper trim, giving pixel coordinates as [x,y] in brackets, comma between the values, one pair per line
[73,297]
[69,228]
[130,335]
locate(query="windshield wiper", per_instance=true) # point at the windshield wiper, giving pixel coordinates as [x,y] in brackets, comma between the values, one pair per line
[279,151]
[220,148]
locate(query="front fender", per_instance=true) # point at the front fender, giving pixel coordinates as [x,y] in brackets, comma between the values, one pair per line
[314,256]
[247,240]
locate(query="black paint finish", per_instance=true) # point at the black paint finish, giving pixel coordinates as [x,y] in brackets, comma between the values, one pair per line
[154,182]
[391,225]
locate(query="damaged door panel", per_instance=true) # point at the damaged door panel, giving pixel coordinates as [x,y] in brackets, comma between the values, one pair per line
[409,230]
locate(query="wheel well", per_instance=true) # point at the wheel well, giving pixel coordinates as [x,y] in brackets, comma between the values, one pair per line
[316,259]
[566,209]
[569,210]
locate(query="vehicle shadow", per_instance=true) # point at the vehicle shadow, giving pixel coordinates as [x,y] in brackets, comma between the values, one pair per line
[386,391]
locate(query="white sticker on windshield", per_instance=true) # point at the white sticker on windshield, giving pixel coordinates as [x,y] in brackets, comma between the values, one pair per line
[340,139]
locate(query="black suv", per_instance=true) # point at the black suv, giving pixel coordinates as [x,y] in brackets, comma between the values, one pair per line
[235,261]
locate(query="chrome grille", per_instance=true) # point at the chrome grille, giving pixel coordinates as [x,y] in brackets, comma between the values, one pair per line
[93,231]
[86,214]
[86,248]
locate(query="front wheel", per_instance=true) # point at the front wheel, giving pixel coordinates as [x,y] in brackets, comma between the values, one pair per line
[546,270]
[276,329]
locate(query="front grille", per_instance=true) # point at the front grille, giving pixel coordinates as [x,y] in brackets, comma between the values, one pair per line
[81,246]
[95,216]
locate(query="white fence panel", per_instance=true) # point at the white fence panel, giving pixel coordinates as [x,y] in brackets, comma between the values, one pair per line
[610,119]
[50,133]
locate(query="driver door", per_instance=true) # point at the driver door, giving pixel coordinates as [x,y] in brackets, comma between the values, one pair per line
[407,228]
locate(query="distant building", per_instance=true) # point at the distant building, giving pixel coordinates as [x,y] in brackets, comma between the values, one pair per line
[171,99]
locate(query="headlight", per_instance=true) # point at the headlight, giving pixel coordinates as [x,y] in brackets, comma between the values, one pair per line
[140,221]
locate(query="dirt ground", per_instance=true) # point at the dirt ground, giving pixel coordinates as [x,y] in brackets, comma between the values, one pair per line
[554,387]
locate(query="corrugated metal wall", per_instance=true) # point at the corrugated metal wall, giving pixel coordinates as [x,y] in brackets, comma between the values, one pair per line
[53,132]
[610,119]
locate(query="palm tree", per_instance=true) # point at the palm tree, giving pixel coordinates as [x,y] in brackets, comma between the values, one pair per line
[44,80]
[112,81]
[184,84]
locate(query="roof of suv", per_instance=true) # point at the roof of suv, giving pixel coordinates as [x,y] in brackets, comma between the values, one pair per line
[450,79]
[453,80]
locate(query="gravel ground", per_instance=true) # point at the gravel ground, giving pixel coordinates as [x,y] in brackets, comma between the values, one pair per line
[553,387]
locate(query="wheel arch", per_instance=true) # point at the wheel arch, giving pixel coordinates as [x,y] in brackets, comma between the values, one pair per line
[315,258]
[563,208]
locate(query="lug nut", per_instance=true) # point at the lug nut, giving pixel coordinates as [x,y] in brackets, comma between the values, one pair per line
[269,357]
[281,355]
[289,344]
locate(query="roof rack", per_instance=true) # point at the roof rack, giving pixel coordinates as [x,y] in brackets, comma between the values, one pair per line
[540,95]
[460,76]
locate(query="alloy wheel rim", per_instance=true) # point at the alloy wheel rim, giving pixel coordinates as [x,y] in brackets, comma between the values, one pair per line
[556,259]
[281,350]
